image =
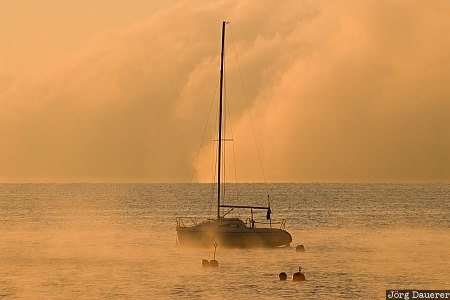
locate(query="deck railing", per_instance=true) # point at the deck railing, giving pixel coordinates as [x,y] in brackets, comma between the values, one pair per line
[192,221]
[281,223]
[181,221]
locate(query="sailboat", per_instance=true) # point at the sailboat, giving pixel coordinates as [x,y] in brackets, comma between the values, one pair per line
[231,232]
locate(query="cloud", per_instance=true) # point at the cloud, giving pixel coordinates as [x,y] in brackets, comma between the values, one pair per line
[338,91]
[370,103]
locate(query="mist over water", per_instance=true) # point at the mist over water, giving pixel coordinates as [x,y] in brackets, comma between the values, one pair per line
[119,241]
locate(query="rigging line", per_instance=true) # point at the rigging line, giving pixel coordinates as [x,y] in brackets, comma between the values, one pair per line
[204,132]
[228,116]
[224,124]
[203,136]
[248,106]
[213,186]
[214,149]
[228,111]
[214,169]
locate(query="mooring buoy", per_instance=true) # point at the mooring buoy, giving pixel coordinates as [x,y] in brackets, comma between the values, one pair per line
[213,263]
[205,263]
[299,276]
[300,248]
[282,276]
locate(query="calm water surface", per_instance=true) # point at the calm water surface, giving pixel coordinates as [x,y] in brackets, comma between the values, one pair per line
[119,241]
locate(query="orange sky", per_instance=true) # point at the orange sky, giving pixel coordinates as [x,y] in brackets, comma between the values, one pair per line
[339,91]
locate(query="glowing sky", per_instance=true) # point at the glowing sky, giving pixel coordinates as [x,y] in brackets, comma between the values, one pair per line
[112,91]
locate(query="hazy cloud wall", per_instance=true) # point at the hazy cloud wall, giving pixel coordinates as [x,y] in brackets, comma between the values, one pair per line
[371,101]
[339,91]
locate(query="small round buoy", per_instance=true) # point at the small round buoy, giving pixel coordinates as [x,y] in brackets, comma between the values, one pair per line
[205,263]
[283,276]
[213,263]
[300,248]
[299,276]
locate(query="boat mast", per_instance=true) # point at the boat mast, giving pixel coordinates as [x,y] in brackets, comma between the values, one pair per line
[220,120]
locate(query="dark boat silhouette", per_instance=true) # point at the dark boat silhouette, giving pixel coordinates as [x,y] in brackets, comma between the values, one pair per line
[231,232]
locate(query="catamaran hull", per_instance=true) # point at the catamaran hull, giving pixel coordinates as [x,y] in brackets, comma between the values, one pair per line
[257,237]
